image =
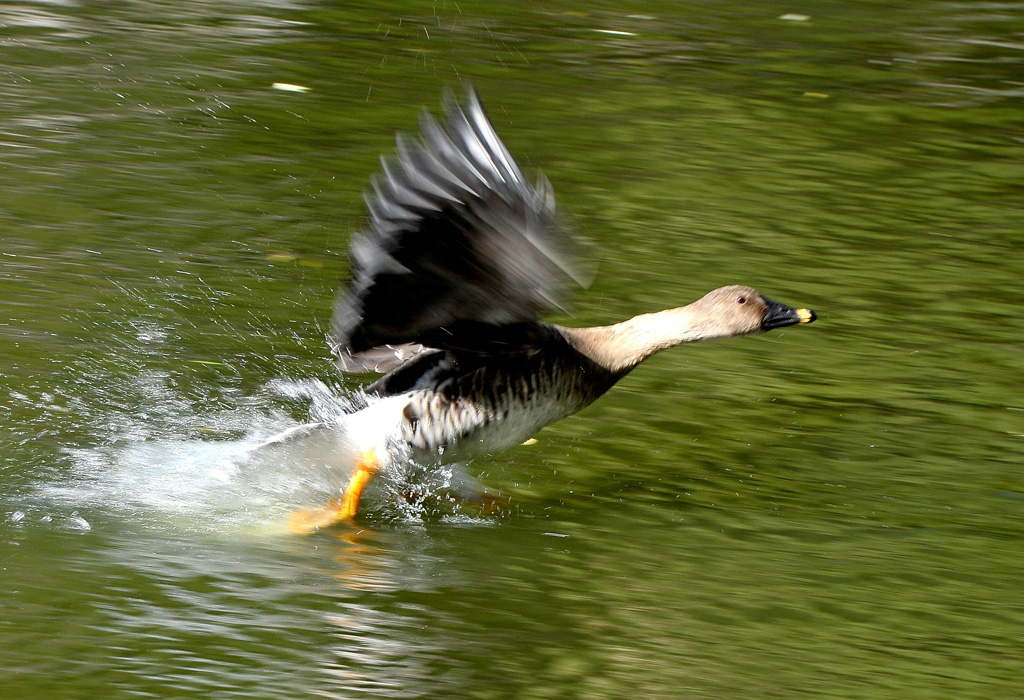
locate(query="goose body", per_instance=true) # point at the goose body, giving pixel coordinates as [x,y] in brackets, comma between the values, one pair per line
[458,409]
[461,257]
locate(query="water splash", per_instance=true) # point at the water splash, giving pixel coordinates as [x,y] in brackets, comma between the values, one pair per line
[250,484]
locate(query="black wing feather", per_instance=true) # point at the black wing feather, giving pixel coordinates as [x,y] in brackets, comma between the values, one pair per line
[461,254]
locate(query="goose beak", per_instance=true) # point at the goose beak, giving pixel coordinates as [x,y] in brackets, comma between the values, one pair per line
[778,315]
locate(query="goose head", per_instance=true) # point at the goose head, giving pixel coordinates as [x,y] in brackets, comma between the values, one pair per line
[739,310]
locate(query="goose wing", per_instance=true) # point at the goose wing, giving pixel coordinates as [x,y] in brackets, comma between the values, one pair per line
[462,253]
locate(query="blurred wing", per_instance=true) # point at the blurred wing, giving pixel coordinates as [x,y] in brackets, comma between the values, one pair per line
[458,242]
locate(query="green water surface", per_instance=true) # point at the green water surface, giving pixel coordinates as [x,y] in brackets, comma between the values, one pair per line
[834,510]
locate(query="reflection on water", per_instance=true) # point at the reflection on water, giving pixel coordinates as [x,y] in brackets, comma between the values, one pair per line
[191,610]
[835,516]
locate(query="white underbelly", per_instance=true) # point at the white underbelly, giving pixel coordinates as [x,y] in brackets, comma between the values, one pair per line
[513,429]
[445,432]
[457,430]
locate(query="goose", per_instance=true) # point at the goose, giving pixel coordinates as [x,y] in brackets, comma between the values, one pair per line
[461,257]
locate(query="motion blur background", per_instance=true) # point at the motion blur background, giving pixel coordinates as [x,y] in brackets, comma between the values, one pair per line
[830,511]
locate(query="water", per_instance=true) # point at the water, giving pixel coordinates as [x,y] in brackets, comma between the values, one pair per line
[830,511]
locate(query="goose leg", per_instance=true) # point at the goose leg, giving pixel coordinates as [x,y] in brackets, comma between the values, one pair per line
[341,509]
[366,467]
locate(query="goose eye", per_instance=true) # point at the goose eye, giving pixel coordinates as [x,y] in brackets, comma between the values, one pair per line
[741,300]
